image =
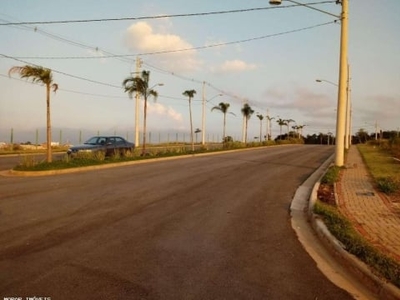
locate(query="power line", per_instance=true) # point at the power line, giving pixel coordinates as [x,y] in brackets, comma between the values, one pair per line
[161,16]
[184,49]
[65,74]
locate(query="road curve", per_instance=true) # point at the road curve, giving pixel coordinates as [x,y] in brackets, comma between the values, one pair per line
[209,227]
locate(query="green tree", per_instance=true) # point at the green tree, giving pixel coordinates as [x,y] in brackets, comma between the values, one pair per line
[288,121]
[247,111]
[223,107]
[140,84]
[261,118]
[45,76]
[362,135]
[190,94]
[281,123]
[269,131]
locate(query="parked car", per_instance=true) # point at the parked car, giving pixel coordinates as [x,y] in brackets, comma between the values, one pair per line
[109,145]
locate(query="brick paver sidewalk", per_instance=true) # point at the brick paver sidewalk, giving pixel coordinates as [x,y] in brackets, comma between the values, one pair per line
[373,215]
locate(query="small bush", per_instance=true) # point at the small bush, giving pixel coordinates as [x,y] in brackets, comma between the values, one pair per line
[331,176]
[388,185]
[28,161]
[17,147]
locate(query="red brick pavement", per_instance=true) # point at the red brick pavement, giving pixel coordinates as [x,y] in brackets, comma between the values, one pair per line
[372,213]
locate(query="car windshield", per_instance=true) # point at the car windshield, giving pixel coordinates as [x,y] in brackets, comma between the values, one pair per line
[93,141]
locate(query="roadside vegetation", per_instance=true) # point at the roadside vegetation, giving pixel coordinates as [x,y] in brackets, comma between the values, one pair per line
[356,244]
[32,163]
[380,158]
[383,161]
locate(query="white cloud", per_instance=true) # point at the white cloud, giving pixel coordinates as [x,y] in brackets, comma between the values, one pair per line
[170,117]
[141,38]
[234,66]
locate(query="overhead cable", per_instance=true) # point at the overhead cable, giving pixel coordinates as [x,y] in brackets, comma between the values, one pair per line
[162,16]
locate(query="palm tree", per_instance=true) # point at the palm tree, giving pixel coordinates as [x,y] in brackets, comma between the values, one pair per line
[297,129]
[247,111]
[281,123]
[288,121]
[269,134]
[141,85]
[223,107]
[44,76]
[300,130]
[190,94]
[261,117]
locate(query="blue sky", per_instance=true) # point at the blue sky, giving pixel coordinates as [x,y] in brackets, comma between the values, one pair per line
[275,73]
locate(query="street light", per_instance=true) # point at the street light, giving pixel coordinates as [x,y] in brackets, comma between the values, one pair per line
[342,87]
[203,118]
[347,141]
[327,81]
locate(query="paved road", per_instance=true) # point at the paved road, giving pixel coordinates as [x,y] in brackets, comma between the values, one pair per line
[210,227]
[8,162]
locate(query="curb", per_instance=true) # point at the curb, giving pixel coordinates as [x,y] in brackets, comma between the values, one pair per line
[117,164]
[377,285]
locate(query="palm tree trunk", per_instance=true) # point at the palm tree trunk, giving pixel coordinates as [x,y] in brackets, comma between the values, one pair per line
[245,130]
[48,129]
[144,124]
[224,128]
[191,123]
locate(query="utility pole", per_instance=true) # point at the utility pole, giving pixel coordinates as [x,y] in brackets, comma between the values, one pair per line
[348,113]
[137,103]
[244,125]
[203,121]
[267,126]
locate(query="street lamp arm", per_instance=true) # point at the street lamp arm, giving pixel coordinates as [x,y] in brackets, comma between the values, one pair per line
[218,95]
[327,81]
[275,2]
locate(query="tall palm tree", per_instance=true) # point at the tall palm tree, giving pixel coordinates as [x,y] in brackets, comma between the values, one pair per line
[247,111]
[140,84]
[44,76]
[269,131]
[190,94]
[288,121]
[223,107]
[261,118]
[297,129]
[281,123]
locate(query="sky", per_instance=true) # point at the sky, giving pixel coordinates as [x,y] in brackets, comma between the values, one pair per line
[266,56]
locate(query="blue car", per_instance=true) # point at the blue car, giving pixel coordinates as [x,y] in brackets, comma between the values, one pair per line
[109,145]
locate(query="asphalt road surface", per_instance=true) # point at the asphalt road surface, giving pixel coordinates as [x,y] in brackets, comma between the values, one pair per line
[207,227]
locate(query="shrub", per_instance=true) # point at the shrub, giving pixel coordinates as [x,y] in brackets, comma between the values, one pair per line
[17,147]
[388,185]
[28,161]
[331,176]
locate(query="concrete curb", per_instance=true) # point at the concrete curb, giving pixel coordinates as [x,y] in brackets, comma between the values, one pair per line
[377,285]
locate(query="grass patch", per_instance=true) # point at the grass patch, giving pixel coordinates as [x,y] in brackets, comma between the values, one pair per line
[356,244]
[331,176]
[92,159]
[383,168]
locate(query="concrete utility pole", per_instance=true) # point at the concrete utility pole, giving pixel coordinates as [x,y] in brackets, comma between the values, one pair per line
[342,90]
[341,104]
[267,126]
[348,111]
[203,121]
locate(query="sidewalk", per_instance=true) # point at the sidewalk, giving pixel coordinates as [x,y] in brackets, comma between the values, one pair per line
[372,214]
